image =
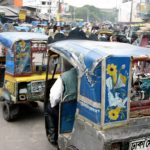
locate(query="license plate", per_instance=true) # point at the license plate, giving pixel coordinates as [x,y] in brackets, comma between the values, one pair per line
[140,144]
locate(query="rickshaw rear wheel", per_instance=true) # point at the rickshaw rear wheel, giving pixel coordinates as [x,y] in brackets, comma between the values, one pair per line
[10,111]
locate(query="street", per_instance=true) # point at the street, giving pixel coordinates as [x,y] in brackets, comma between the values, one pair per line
[25,133]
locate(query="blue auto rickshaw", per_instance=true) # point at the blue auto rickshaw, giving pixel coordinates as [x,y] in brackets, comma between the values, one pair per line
[24,71]
[104,116]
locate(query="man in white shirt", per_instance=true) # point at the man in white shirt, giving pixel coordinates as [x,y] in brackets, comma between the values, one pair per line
[65,85]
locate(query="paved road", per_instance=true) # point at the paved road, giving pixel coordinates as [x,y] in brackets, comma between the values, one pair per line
[26,133]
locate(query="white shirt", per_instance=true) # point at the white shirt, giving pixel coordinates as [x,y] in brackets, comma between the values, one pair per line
[56,92]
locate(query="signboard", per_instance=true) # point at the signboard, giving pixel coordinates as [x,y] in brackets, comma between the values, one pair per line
[22,15]
[29,3]
[125,12]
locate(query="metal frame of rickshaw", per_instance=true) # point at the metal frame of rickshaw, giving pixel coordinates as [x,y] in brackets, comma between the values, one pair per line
[100,133]
[16,81]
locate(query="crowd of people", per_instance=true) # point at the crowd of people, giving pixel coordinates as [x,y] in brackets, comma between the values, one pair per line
[96,33]
[59,31]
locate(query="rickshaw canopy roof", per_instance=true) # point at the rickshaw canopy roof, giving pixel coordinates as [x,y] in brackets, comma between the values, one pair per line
[79,51]
[9,38]
[100,49]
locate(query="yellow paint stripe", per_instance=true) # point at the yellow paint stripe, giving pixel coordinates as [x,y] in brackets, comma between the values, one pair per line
[33,77]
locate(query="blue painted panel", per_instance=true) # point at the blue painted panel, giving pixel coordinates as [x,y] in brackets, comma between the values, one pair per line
[91,113]
[116,96]
[67,116]
[91,85]
[10,62]
[10,67]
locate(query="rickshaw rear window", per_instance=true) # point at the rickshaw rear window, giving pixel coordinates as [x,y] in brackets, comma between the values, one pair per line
[39,56]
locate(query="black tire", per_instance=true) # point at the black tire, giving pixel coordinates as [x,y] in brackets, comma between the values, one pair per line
[10,111]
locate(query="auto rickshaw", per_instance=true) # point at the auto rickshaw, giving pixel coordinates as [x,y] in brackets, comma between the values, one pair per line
[104,116]
[24,76]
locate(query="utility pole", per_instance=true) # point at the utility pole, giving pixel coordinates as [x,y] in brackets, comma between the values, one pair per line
[50,10]
[59,11]
[131,11]
[59,6]
[74,14]
[131,15]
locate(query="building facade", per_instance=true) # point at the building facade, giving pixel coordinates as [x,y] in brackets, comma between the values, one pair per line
[134,11]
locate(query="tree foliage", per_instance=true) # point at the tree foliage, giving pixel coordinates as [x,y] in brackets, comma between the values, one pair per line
[93,14]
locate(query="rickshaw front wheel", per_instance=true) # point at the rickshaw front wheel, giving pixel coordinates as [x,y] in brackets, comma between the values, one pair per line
[10,111]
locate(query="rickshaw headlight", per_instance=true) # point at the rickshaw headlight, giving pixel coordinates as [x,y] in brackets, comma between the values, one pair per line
[116,146]
[22,97]
[22,94]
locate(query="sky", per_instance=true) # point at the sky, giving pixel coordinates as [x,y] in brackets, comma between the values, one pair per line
[96,3]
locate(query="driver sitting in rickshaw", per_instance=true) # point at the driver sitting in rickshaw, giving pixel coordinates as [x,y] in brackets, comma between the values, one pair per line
[64,87]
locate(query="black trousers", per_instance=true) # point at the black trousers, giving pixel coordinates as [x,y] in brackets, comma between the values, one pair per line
[53,122]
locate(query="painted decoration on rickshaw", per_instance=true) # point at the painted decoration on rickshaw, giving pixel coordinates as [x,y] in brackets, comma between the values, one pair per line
[116,96]
[23,57]
[10,61]
[91,89]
